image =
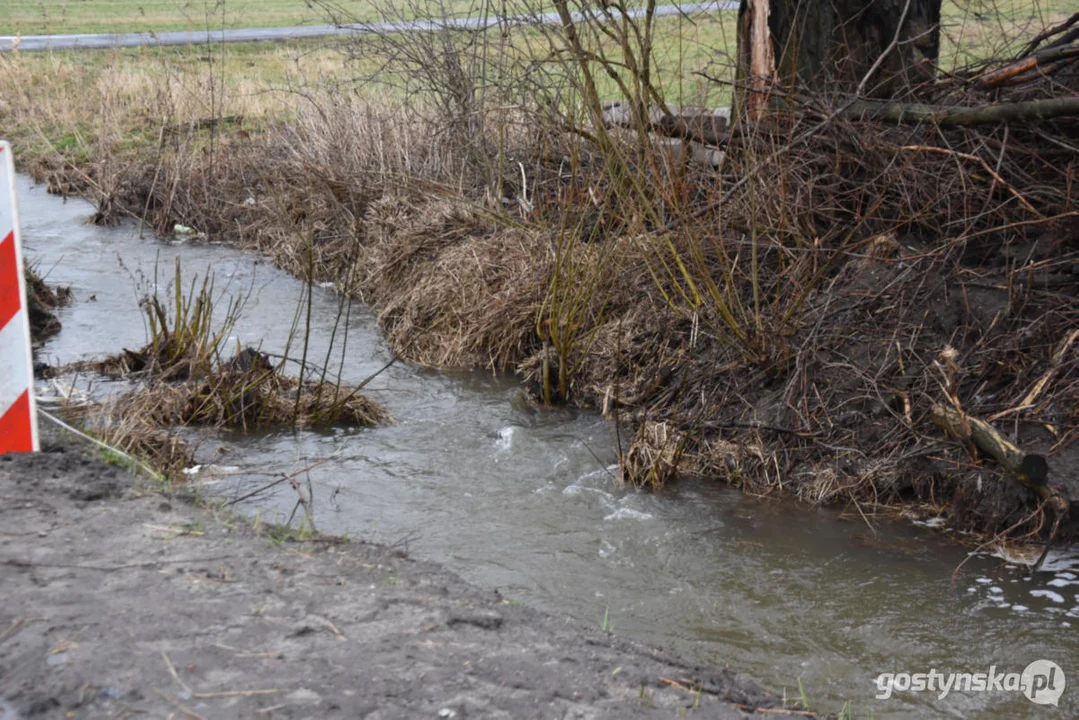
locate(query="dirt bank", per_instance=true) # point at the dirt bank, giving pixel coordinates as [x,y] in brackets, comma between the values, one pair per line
[832,407]
[120,601]
[42,300]
[781,324]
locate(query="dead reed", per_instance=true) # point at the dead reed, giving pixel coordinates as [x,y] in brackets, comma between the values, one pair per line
[777,320]
[182,382]
[42,299]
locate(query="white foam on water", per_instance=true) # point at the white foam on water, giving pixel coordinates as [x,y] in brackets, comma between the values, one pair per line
[1048,594]
[505,437]
[1063,579]
[571,490]
[206,472]
[603,474]
[628,514]
[1061,561]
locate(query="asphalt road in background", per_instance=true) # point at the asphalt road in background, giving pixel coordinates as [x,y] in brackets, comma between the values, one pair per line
[39,43]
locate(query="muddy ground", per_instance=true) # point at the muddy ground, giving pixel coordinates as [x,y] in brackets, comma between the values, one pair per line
[41,302]
[120,600]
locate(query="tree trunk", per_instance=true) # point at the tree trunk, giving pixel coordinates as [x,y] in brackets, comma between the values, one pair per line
[883,47]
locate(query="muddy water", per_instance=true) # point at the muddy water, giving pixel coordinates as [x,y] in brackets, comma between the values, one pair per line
[524,502]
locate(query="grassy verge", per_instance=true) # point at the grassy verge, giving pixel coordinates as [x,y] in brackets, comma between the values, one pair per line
[979,29]
[786,323]
[50,17]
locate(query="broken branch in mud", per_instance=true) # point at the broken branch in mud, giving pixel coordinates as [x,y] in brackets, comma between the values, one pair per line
[1058,357]
[1031,469]
[287,478]
[948,116]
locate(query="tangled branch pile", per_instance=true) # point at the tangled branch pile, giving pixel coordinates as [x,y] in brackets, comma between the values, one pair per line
[788,321]
[868,238]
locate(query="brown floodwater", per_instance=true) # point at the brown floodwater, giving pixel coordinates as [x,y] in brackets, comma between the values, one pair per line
[525,502]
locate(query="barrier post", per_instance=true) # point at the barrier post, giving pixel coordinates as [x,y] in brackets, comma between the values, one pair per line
[18,419]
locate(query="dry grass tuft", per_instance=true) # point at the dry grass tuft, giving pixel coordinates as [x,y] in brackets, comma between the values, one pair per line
[775,322]
[454,289]
[185,383]
[654,457]
[245,393]
[248,399]
[42,300]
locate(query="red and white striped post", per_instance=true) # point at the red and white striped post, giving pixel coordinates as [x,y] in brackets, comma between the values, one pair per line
[18,419]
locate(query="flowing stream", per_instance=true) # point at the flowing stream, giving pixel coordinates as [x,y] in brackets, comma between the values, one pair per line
[524,502]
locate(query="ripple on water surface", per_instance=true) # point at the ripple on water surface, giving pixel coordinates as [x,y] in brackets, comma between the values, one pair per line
[526,502]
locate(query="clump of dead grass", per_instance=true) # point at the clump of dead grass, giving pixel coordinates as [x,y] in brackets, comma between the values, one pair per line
[245,393]
[774,322]
[183,382]
[42,300]
[454,288]
[252,398]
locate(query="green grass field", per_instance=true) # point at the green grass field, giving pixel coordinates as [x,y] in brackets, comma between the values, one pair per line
[34,17]
[977,29]
[38,17]
[972,28]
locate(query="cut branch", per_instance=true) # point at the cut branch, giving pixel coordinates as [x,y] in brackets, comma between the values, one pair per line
[1028,468]
[1046,61]
[963,115]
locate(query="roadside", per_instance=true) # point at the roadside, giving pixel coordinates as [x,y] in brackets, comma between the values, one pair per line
[213,35]
[121,600]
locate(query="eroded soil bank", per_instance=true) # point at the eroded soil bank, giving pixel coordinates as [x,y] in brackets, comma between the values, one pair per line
[842,417]
[122,600]
[790,324]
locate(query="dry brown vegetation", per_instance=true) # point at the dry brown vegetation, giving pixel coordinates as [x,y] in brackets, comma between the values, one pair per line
[41,300]
[777,322]
[180,380]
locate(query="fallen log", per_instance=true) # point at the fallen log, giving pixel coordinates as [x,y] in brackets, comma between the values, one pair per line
[945,116]
[1030,469]
[710,127]
[1044,62]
